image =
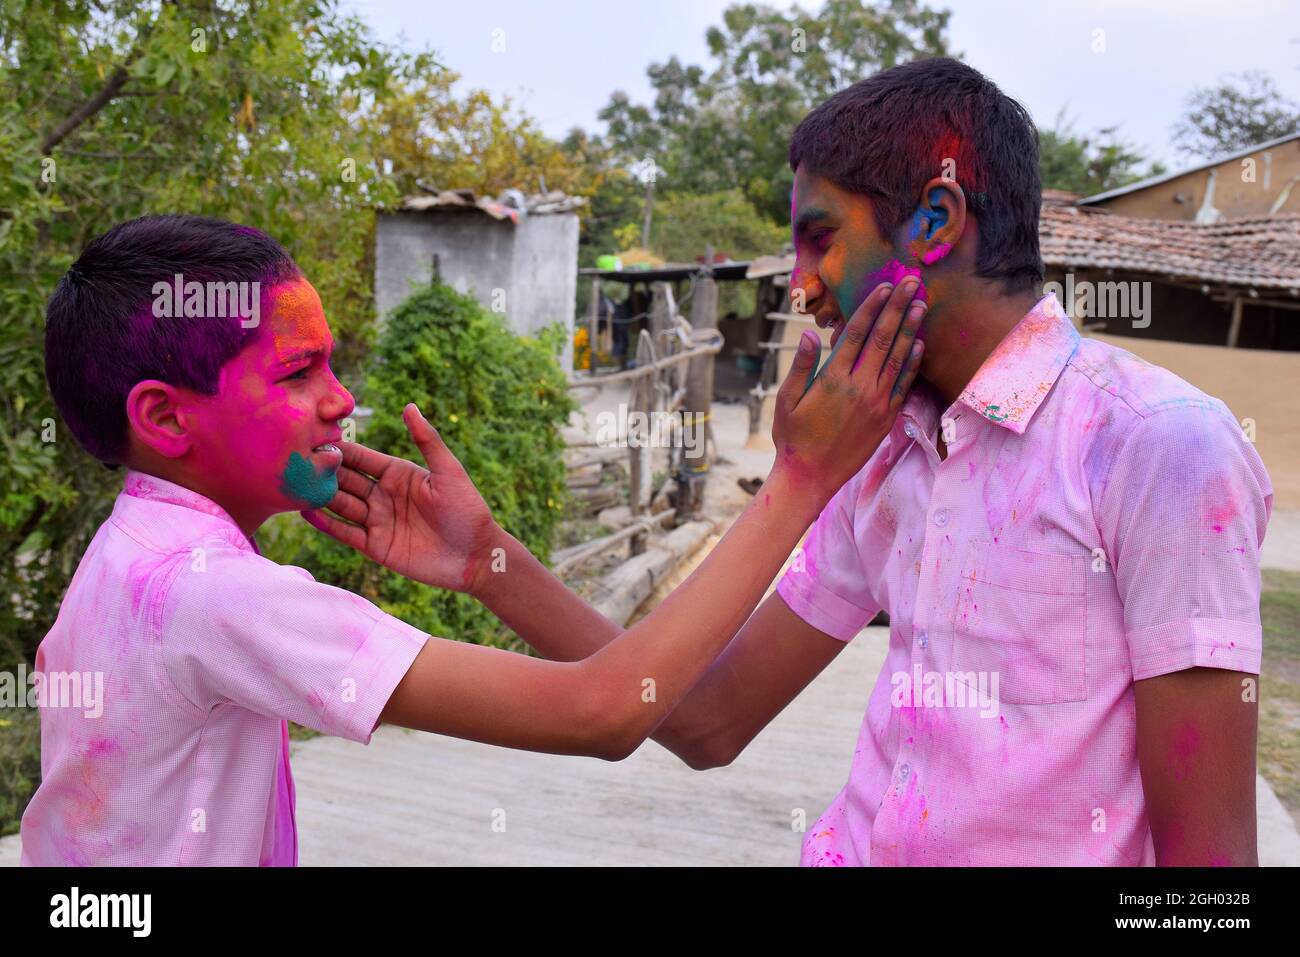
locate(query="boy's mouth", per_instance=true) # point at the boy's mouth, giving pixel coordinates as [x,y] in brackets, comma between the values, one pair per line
[328,454]
[836,326]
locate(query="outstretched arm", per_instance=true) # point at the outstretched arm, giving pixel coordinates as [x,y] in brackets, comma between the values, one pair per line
[606,704]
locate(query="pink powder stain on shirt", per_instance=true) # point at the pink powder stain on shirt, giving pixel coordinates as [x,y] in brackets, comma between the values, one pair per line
[826,856]
[1222,514]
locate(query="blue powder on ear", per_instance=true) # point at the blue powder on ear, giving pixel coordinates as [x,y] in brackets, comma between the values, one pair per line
[302,482]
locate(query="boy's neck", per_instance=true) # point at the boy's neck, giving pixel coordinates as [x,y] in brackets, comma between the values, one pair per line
[961,337]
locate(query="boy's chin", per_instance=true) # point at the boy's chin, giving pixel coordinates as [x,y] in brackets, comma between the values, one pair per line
[308,484]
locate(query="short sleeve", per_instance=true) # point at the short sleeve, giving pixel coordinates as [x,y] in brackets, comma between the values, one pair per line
[239,628]
[1182,515]
[826,583]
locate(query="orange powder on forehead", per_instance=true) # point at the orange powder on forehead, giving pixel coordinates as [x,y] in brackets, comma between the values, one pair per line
[297,318]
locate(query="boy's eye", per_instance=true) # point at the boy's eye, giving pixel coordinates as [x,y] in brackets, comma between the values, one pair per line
[300,374]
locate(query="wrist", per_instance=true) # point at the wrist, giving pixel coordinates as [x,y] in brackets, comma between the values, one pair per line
[489,568]
[796,489]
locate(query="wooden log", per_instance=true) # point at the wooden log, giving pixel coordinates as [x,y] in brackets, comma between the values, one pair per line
[620,593]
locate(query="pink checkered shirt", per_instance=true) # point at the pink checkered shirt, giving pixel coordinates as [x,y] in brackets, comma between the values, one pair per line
[205,648]
[1096,521]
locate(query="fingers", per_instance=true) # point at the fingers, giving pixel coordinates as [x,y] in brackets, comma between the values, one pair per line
[355,482]
[349,535]
[900,350]
[351,507]
[911,366]
[802,370]
[879,334]
[364,460]
[850,344]
[424,435]
[876,352]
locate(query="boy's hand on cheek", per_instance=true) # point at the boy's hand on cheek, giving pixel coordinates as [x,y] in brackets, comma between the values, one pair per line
[825,431]
[430,525]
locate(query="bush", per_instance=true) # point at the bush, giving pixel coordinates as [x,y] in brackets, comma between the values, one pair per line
[498,400]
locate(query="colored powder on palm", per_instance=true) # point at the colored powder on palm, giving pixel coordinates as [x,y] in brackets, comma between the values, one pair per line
[303,483]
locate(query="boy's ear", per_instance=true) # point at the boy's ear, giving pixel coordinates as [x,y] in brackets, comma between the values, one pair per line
[938,222]
[153,412]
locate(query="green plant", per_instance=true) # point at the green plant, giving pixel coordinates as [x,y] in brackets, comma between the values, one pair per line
[20,764]
[498,401]
[111,110]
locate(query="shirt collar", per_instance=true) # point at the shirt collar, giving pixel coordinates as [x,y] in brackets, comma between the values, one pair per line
[140,486]
[1013,381]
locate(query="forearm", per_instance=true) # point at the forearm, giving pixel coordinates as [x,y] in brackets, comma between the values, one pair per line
[652,666]
[529,599]
[537,606]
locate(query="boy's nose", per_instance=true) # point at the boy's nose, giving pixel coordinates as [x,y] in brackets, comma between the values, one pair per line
[806,286]
[339,404]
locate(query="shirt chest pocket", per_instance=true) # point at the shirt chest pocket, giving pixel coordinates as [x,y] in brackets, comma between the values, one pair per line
[1023,616]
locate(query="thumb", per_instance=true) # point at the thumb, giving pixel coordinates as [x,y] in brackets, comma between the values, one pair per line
[424,435]
[802,370]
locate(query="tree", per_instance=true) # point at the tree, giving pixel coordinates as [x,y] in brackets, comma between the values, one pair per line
[238,109]
[729,127]
[1241,111]
[684,224]
[1088,165]
[428,136]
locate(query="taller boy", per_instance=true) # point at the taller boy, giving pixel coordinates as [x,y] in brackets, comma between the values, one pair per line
[1048,513]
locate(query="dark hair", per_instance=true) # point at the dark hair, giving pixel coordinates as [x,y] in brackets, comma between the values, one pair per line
[101,334]
[888,135]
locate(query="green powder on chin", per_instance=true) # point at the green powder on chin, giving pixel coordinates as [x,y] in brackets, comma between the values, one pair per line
[302,482]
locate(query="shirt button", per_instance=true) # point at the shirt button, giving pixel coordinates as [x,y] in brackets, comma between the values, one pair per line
[922,639]
[909,430]
[904,771]
[941,517]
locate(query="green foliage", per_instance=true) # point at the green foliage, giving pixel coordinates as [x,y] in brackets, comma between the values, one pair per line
[1085,165]
[236,109]
[20,764]
[684,224]
[730,126]
[498,400]
[1241,111]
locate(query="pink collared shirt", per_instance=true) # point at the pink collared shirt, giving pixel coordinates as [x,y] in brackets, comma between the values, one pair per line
[204,649]
[1096,521]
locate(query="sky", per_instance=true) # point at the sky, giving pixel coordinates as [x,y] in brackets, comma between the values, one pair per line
[560,60]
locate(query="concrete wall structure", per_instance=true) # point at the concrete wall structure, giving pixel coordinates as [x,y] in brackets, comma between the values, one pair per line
[528,272]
